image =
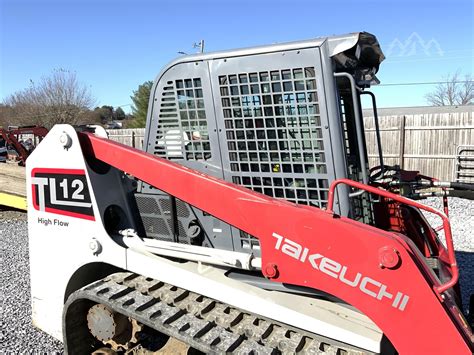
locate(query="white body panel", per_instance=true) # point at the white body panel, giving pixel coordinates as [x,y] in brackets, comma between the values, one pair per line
[57,251]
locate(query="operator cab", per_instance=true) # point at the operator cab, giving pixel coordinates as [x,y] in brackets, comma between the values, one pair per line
[284,120]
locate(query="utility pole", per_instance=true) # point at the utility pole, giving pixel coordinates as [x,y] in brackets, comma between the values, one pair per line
[199,45]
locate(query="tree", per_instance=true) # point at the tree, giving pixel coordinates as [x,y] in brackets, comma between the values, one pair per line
[57,98]
[140,105]
[454,91]
[5,113]
[106,113]
[119,114]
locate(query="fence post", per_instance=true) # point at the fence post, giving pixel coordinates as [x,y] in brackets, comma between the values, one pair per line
[133,139]
[401,159]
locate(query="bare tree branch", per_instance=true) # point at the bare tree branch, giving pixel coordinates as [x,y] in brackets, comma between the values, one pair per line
[58,98]
[452,92]
[466,91]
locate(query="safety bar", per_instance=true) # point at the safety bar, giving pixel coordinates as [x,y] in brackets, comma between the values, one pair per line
[446,225]
[358,122]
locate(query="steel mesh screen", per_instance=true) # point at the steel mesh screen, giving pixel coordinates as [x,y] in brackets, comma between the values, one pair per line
[155,211]
[182,131]
[274,133]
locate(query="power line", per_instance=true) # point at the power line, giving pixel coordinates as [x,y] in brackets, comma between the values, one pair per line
[427,83]
[390,60]
[386,45]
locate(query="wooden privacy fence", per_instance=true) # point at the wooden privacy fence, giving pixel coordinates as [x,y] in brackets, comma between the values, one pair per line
[132,136]
[421,138]
[416,138]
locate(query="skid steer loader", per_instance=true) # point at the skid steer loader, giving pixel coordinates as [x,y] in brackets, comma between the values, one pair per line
[250,223]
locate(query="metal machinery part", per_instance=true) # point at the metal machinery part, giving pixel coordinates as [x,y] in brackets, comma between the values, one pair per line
[112,328]
[12,138]
[221,243]
[464,168]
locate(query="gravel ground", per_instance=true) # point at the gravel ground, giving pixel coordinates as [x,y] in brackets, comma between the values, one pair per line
[461,215]
[18,334]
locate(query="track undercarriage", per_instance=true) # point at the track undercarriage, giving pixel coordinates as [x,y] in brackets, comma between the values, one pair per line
[149,316]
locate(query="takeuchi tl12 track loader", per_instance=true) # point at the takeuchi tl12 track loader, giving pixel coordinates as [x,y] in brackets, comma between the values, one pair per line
[250,223]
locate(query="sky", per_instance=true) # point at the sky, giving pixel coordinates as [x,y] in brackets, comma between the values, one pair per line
[115,45]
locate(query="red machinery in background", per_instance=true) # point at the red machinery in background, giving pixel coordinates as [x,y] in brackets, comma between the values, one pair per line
[21,141]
